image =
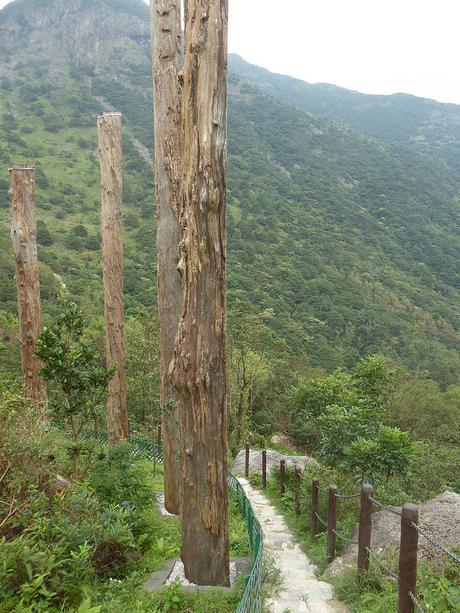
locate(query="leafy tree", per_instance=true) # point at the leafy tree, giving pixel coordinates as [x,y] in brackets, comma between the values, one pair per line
[74,368]
[365,388]
[249,339]
[343,417]
[44,236]
[142,368]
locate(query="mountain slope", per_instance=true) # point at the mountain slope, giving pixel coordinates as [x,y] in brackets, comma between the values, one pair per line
[347,246]
[420,124]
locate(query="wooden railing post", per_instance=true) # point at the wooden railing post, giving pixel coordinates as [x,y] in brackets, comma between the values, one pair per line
[298,477]
[264,468]
[408,558]
[246,461]
[365,527]
[331,523]
[314,506]
[282,477]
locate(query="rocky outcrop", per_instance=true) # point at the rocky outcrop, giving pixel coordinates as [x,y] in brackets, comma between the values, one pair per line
[100,33]
[273,459]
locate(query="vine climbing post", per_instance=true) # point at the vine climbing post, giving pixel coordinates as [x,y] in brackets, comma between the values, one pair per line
[24,238]
[199,369]
[110,160]
[167,58]
[408,558]
[365,527]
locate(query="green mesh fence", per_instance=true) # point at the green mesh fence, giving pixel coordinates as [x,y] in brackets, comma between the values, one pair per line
[140,447]
[251,602]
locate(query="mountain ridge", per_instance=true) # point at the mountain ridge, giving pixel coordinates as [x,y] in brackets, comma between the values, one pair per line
[398,119]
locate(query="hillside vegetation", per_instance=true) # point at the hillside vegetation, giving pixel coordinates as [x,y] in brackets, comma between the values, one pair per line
[345,245]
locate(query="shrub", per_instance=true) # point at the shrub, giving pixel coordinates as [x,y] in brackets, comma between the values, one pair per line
[117,478]
[28,462]
[73,366]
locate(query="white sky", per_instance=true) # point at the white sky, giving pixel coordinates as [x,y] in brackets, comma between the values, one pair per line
[374,46]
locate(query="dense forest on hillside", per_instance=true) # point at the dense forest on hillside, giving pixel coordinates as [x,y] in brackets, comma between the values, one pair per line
[344,245]
[418,125]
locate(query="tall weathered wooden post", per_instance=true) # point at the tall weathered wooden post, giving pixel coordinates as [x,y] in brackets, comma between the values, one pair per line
[167,91]
[24,238]
[110,159]
[199,373]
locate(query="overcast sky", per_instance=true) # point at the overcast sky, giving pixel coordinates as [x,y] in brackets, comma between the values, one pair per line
[374,46]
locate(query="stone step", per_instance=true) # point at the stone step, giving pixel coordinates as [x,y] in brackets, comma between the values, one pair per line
[302,592]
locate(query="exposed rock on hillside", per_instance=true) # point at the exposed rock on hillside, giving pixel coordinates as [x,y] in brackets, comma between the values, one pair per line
[273,459]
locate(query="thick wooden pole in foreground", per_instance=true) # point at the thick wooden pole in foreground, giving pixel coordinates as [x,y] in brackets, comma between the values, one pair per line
[199,373]
[24,238]
[167,92]
[110,159]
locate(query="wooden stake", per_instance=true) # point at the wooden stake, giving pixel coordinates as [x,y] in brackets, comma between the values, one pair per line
[408,558]
[365,527]
[264,468]
[297,486]
[110,159]
[24,238]
[282,477]
[314,506]
[167,95]
[331,523]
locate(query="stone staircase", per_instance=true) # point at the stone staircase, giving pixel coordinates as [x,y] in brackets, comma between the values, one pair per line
[302,591]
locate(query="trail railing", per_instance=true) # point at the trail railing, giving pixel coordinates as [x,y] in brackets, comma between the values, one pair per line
[406,577]
[251,601]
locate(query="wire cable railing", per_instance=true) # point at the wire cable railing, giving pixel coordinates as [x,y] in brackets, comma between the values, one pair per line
[385,507]
[415,602]
[409,526]
[430,538]
[382,565]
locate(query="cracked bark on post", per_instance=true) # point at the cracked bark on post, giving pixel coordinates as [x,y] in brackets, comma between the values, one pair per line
[166,61]
[110,159]
[24,238]
[199,369]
